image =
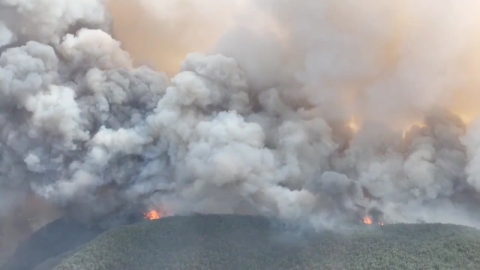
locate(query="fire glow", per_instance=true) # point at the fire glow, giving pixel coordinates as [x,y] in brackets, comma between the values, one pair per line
[368,221]
[152,215]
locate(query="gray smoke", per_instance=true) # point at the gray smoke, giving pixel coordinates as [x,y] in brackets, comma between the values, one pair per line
[258,125]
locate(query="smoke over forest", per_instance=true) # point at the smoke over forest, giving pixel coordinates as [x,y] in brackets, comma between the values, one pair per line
[311,111]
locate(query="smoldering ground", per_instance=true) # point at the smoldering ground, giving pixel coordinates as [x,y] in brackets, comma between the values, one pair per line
[315,111]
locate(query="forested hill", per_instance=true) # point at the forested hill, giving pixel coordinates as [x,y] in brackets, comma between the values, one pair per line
[242,242]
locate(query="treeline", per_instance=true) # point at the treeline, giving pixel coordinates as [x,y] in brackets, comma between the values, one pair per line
[235,242]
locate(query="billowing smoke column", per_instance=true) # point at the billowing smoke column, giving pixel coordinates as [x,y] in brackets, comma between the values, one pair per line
[260,124]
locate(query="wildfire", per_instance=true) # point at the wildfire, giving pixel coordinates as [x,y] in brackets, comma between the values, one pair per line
[152,215]
[367,220]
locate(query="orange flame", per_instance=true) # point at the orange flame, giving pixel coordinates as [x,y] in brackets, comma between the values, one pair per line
[152,215]
[367,220]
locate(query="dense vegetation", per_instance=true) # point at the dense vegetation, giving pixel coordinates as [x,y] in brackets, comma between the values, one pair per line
[55,238]
[235,242]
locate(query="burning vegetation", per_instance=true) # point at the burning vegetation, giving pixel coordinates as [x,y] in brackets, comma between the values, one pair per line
[154,214]
[291,132]
[368,221]
[373,217]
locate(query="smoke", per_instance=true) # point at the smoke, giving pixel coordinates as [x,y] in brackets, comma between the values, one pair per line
[159,33]
[259,123]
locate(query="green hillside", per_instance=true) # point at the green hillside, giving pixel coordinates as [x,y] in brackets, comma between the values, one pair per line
[241,242]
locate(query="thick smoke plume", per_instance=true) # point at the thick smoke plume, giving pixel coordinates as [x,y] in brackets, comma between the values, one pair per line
[316,111]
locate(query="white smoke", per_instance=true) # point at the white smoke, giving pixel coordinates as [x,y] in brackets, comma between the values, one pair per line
[258,125]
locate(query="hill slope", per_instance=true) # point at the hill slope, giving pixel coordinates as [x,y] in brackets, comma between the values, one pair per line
[239,242]
[51,240]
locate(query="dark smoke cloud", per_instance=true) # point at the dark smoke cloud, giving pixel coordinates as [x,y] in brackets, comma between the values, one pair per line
[259,125]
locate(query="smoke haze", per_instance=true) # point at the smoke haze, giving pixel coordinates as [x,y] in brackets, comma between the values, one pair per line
[312,111]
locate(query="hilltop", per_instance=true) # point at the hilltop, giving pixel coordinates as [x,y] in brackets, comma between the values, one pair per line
[244,242]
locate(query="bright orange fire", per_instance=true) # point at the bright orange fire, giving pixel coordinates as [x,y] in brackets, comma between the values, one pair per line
[367,220]
[152,215]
